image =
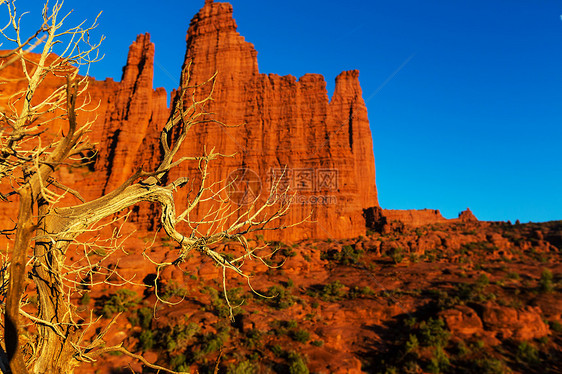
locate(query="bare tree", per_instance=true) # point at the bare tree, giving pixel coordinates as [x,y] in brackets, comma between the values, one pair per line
[38,136]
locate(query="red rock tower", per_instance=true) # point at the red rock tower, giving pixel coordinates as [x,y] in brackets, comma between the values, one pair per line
[290,124]
[325,145]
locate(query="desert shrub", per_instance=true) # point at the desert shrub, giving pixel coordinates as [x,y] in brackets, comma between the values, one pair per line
[439,362]
[253,339]
[121,301]
[333,291]
[396,254]
[300,335]
[527,353]
[482,281]
[173,289]
[218,303]
[282,299]
[297,364]
[489,365]
[179,336]
[418,345]
[347,256]
[85,299]
[144,316]
[179,363]
[292,324]
[512,275]
[356,292]
[214,342]
[288,251]
[317,343]
[243,367]
[147,340]
[462,349]
[556,326]
[277,350]
[432,333]
[545,281]
[412,344]
[466,292]
[477,246]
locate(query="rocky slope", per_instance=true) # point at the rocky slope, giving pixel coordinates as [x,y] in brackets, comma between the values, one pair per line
[454,297]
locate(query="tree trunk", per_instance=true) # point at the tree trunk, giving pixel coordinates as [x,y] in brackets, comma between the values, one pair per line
[12,330]
[55,353]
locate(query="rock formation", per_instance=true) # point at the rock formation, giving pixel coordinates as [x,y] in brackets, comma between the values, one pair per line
[132,125]
[467,216]
[414,217]
[288,128]
[324,146]
[384,220]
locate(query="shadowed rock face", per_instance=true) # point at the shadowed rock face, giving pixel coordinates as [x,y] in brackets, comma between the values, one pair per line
[286,127]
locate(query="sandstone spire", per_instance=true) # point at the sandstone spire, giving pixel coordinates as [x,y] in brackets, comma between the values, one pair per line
[325,145]
[287,124]
[134,117]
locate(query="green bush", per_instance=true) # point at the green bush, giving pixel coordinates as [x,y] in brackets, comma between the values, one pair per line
[300,335]
[179,336]
[545,282]
[356,292]
[527,353]
[85,299]
[174,289]
[218,302]
[179,362]
[333,291]
[288,252]
[317,343]
[282,297]
[396,254]
[439,362]
[243,367]
[121,301]
[144,315]
[147,340]
[489,365]
[556,326]
[412,344]
[473,292]
[347,256]
[214,342]
[292,324]
[297,364]
[277,350]
[433,333]
[253,339]
[512,275]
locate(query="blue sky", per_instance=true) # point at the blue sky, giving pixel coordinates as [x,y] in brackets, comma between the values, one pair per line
[464,97]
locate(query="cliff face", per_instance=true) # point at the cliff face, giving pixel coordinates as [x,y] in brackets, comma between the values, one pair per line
[287,128]
[126,119]
[387,220]
[132,124]
[323,146]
